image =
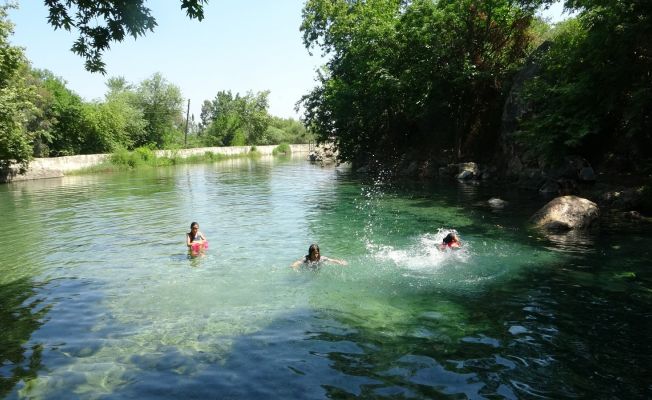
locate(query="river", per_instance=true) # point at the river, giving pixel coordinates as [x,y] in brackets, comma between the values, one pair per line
[99,298]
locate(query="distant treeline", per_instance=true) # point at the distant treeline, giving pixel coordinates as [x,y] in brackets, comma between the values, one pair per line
[429,78]
[41,117]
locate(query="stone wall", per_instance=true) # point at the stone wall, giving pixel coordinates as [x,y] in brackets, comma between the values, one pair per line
[40,168]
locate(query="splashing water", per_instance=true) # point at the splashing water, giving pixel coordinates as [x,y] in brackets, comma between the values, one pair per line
[423,254]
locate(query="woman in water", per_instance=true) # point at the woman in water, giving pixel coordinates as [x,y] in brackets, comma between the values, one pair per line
[314,258]
[195,236]
[451,241]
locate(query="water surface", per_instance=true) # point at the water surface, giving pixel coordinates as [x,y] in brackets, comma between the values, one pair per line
[99,298]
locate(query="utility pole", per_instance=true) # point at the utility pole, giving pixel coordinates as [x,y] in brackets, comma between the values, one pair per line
[185,138]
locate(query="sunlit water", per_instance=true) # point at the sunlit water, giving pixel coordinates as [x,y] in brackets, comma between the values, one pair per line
[99,298]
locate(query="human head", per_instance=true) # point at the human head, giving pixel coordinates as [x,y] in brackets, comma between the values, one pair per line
[193,225]
[313,252]
[451,238]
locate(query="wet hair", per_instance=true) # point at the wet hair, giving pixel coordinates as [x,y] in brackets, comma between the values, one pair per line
[313,247]
[451,237]
[192,237]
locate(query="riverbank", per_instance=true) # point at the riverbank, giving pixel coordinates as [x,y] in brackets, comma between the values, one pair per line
[56,167]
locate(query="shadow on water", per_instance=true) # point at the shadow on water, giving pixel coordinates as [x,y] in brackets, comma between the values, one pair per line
[21,314]
[435,344]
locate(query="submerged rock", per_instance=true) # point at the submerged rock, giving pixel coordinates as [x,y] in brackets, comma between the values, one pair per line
[495,202]
[566,213]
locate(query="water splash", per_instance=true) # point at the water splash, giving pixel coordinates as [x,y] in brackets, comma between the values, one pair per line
[372,195]
[423,254]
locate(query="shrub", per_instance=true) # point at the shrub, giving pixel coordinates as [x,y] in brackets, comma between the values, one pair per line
[282,149]
[145,153]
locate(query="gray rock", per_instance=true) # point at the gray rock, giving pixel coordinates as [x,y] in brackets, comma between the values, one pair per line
[465,175]
[566,213]
[469,166]
[495,202]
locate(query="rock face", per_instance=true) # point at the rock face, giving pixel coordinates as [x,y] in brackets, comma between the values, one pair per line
[516,159]
[325,153]
[566,213]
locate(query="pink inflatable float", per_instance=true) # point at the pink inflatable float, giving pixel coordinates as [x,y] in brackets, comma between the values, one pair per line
[196,246]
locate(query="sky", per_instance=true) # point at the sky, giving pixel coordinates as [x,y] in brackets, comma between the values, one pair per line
[243,45]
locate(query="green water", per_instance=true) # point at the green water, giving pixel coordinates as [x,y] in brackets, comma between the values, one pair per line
[100,300]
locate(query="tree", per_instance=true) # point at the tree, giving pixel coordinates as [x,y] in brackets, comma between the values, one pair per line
[101,22]
[418,77]
[117,84]
[206,115]
[594,94]
[62,112]
[14,99]
[161,104]
[112,125]
[237,120]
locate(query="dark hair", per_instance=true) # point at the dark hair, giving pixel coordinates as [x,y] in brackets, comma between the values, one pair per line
[450,238]
[192,236]
[313,247]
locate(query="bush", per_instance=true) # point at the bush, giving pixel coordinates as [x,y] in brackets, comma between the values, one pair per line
[124,158]
[282,149]
[146,154]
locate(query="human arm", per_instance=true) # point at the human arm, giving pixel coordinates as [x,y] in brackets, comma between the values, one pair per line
[334,260]
[202,237]
[297,263]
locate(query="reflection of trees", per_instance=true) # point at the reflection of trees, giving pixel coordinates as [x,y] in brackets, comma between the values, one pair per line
[18,321]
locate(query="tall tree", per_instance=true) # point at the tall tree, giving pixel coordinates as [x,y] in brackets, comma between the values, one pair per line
[161,104]
[63,111]
[15,105]
[237,120]
[594,94]
[101,22]
[421,76]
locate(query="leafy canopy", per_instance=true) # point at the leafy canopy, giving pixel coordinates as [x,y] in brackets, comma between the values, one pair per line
[100,22]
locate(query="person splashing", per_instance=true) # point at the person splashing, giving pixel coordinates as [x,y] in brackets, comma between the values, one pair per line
[451,241]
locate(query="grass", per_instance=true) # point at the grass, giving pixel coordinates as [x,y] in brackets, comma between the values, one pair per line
[144,157]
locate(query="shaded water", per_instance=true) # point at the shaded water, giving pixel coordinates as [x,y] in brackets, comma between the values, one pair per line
[99,299]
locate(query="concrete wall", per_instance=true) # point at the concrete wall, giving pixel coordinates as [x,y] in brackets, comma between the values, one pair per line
[40,168]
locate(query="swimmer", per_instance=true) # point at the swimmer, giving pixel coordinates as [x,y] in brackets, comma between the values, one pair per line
[194,236]
[451,241]
[314,258]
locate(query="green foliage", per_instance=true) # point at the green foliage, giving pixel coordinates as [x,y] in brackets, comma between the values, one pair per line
[423,76]
[161,104]
[210,156]
[281,130]
[282,149]
[593,95]
[125,158]
[100,23]
[235,120]
[145,157]
[15,96]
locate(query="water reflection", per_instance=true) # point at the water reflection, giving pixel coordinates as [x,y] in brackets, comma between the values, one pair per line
[573,241]
[21,314]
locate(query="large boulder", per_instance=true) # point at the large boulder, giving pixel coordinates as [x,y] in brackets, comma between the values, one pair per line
[566,213]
